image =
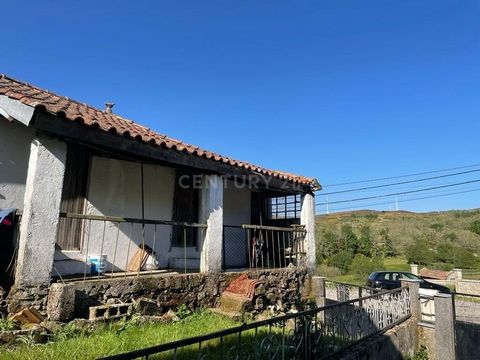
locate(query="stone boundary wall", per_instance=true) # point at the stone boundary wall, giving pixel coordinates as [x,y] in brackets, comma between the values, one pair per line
[397,343]
[282,289]
[468,287]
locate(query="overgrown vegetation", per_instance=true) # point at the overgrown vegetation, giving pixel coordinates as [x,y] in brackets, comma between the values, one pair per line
[356,243]
[6,324]
[117,337]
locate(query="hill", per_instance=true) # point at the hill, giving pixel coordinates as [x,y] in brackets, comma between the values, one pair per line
[363,240]
[404,228]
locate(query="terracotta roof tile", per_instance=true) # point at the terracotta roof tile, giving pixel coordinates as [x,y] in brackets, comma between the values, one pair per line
[434,274]
[114,124]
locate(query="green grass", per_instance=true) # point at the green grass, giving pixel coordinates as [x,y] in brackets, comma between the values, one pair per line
[349,279]
[111,341]
[396,264]
[471,274]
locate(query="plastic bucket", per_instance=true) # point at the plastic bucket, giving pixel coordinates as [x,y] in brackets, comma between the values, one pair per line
[98,264]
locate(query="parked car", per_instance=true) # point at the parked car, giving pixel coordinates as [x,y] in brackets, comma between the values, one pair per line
[392,279]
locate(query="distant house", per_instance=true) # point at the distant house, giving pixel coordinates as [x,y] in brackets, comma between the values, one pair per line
[440,275]
[96,188]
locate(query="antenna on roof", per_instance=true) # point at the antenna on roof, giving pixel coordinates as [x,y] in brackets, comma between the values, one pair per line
[108,107]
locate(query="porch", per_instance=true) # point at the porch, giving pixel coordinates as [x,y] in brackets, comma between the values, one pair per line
[116,216]
[126,247]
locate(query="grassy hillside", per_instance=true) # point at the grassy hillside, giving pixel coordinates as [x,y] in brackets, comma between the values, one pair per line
[404,228]
[358,242]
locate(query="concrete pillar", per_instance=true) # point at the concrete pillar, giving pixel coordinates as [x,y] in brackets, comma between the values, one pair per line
[211,213]
[444,327]
[307,219]
[38,228]
[413,288]
[458,274]
[414,269]
[318,290]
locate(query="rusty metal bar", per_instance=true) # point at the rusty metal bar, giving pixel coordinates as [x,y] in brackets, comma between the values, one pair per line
[129,220]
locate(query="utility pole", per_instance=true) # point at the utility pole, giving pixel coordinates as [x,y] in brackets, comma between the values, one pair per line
[396,202]
[327,206]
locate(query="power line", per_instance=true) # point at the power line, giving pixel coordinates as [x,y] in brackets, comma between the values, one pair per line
[402,193]
[405,200]
[400,183]
[400,176]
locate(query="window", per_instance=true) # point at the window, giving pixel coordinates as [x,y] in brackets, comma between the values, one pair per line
[70,231]
[185,209]
[284,207]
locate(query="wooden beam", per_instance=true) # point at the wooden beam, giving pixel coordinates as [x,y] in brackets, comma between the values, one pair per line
[129,148]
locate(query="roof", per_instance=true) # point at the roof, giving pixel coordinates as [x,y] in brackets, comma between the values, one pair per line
[434,274]
[116,125]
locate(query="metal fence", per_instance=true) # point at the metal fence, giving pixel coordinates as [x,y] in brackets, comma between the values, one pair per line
[256,246]
[125,244]
[313,334]
[338,291]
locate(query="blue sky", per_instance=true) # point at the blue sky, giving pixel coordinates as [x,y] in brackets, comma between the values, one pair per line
[338,90]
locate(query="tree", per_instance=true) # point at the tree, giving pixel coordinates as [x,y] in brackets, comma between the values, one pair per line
[349,239]
[365,242]
[420,253]
[330,244]
[388,247]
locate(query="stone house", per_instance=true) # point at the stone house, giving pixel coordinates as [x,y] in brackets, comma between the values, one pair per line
[90,184]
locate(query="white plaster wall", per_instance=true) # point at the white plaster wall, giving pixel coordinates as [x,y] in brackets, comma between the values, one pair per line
[15,140]
[237,204]
[237,211]
[115,190]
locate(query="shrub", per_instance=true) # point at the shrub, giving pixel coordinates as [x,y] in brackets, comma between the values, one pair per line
[183,311]
[475,227]
[362,266]
[341,260]
[436,226]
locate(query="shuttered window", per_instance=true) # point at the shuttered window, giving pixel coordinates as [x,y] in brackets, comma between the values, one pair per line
[185,208]
[70,231]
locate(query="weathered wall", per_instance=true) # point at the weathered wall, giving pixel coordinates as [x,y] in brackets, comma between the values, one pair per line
[237,204]
[397,343]
[15,140]
[114,189]
[195,290]
[468,287]
[426,337]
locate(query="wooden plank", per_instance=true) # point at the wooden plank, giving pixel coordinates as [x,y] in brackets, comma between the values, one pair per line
[138,260]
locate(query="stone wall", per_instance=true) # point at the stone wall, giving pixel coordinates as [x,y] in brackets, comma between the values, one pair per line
[283,288]
[397,343]
[468,287]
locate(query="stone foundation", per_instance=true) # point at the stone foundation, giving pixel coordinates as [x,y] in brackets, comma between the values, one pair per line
[283,289]
[20,298]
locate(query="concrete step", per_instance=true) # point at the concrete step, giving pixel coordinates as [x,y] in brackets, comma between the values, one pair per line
[233,303]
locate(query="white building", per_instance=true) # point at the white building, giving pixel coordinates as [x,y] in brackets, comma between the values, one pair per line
[88,182]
